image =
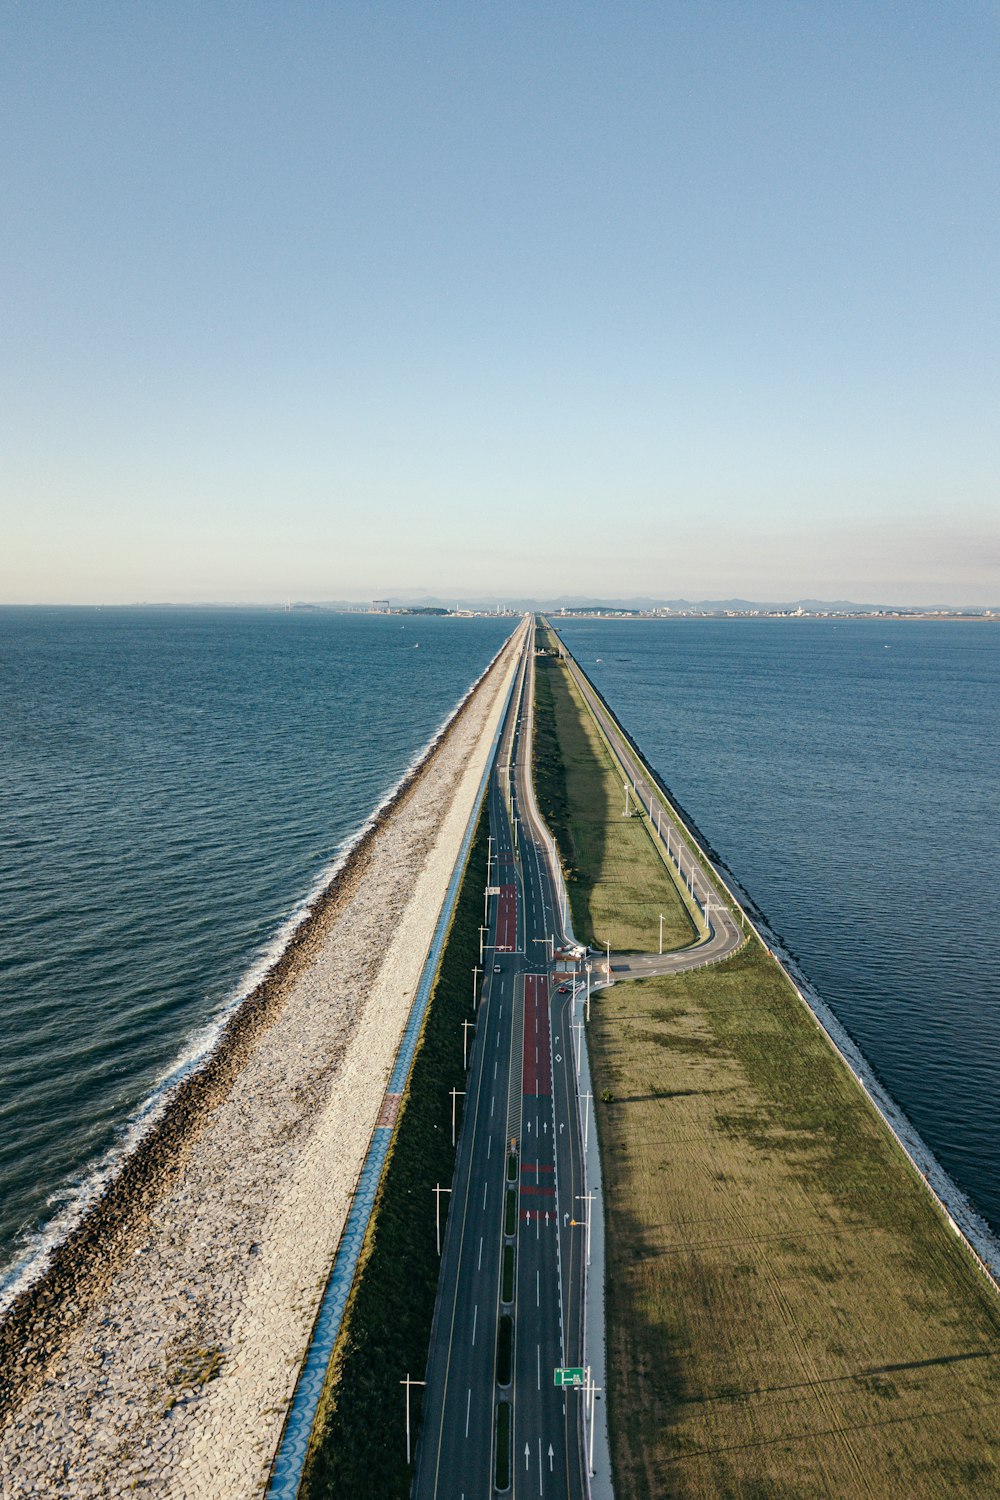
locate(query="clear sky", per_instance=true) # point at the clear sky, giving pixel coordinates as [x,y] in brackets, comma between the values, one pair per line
[336,300]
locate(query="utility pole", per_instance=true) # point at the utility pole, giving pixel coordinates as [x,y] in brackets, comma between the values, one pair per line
[437,1190]
[456,1094]
[408,1382]
[465,1042]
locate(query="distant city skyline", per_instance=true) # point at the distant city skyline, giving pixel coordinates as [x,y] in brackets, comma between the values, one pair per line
[345,302]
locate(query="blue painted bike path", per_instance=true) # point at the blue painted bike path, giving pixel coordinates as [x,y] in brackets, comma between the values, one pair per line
[286,1471]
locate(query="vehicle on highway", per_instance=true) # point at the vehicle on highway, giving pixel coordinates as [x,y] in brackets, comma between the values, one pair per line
[496,968]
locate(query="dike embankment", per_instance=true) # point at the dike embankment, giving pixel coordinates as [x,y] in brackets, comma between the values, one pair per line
[157,1351]
[789,1306]
[976,1234]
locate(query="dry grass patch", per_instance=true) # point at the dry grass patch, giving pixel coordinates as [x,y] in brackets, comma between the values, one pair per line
[788,1312]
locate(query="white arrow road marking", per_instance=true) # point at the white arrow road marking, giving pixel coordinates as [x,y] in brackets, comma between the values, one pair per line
[527,1455]
[551,1457]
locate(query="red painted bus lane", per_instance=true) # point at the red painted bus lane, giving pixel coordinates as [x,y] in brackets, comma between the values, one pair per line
[536,1069]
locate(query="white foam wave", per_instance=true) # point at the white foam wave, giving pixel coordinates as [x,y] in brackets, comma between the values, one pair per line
[76,1197]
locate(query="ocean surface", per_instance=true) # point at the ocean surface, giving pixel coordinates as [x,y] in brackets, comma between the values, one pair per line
[174,785]
[848,773]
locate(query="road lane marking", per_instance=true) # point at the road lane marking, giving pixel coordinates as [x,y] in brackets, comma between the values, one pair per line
[468,1408]
[475,1320]
[479,1267]
[485,1186]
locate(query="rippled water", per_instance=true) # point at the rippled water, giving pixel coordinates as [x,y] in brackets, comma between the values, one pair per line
[173,784]
[847,773]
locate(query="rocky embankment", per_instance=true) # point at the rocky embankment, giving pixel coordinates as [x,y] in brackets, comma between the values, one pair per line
[157,1354]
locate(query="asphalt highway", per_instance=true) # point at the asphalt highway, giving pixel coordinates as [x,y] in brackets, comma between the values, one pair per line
[511,1295]
[515,1191]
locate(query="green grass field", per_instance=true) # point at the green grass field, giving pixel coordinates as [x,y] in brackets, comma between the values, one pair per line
[789,1313]
[618,884]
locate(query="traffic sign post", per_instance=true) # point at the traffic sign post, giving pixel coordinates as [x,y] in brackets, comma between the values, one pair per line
[573,1375]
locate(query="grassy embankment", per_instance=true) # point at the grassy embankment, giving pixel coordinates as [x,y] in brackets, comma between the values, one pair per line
[357,1446]
[618,884]
[789,1313]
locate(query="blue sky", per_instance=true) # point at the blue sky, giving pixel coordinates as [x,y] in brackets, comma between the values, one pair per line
[339,300]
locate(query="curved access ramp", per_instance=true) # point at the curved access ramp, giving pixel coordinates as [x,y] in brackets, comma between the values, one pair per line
[724,935]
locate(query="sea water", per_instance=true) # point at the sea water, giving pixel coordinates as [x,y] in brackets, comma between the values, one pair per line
[174,785]
[847,772]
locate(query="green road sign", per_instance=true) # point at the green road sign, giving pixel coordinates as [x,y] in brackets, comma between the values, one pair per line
[567,1377]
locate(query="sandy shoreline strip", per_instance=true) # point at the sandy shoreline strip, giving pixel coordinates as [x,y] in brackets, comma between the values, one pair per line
[158,1354]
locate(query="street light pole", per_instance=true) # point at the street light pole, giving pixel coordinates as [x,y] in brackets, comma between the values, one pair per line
[589,966]
[586,1119]
[590,1391]
[661,933]
[437,1190]
[475,971]
[481,931]
[587,1198]
[578,1028]
[456,1094]
[465,1042]
[408,1382]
